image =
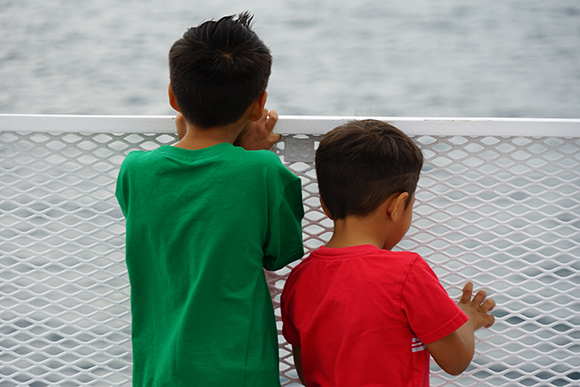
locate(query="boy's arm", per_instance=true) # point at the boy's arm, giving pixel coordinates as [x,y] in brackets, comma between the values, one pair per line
[454,352]
[297,352]
[284,239]
[259,135]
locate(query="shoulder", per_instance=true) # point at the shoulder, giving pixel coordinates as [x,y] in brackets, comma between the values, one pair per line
[399,260]
[139,165]
[384,267]
[137,157]
[299,274]
[408,256]
[262,157]
[132,161]
[270,164]
[371,261]
[411,265]
[418,263]
[303,268]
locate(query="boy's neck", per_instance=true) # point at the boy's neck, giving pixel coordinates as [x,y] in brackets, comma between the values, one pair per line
[200,138]
[384,227]
[195,137]
[357,231]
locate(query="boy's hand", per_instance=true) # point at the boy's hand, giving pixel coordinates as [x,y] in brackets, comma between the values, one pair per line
[478,308]
[181,125]
[259,134]
[454,352]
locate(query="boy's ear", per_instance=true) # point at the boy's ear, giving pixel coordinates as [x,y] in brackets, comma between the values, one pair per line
[325,209]
[257,107]
[172,100]
[397,206]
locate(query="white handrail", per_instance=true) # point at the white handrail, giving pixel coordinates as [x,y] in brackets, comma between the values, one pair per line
[441,126]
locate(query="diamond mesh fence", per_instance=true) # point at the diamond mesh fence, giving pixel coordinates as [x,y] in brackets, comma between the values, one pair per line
[501,211]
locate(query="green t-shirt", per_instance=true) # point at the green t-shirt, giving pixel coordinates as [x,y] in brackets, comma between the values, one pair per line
[201,226]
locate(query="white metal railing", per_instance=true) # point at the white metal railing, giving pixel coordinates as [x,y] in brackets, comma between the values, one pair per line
[498,203]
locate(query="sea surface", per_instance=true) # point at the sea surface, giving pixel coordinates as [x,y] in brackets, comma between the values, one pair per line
[423,58]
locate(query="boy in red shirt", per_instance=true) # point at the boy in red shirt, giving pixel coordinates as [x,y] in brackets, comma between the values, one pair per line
[355,312]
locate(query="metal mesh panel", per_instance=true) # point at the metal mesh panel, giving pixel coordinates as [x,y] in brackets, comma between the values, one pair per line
[503,212]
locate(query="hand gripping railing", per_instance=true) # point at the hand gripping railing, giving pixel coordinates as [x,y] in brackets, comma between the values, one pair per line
[498,204]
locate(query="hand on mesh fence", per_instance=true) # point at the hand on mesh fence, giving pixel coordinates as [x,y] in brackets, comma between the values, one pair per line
[259,134]
[478,308]
[454,352]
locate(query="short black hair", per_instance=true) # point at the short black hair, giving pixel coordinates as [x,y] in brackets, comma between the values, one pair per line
[362,163]
[218,69]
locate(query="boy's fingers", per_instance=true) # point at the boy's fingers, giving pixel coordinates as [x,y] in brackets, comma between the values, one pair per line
[479,297]
[467,291]
[275,137]
[491,320]
[487,305]
[272,119]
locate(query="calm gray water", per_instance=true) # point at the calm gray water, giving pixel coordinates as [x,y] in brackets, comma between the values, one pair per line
[496,58]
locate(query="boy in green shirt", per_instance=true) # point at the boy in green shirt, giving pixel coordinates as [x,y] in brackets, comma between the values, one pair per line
[204,217]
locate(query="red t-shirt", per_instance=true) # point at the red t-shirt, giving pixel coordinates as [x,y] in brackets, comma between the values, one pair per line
[361,315]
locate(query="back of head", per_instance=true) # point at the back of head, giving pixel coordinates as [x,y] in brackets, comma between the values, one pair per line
[218,69]
[361,164]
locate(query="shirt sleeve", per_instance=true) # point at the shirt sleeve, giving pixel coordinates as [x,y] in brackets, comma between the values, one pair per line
[121,189]
[431,313]
[284,240]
